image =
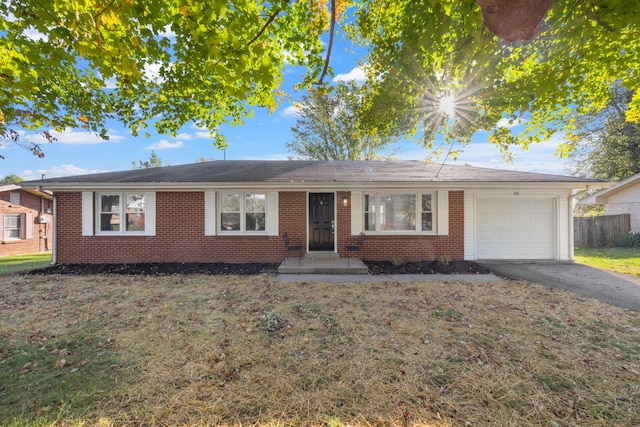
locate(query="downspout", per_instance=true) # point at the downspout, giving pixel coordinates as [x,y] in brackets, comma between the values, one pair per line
[54,232]
[46,234]
[571,229]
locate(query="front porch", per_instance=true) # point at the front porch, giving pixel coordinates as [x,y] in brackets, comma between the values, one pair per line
[322,263]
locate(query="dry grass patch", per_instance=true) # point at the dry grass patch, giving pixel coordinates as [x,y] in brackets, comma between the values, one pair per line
[206,350]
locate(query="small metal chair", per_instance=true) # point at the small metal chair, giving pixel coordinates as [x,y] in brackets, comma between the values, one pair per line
[355,246]
[290,246]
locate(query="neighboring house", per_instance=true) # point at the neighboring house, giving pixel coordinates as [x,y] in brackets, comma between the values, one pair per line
[621,198]
[238,211]
[25,220]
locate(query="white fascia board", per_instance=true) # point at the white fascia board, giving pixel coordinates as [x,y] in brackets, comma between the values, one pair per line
[315,186]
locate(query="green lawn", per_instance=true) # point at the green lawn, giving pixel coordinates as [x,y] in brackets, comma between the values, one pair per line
[620,260]
[18,263]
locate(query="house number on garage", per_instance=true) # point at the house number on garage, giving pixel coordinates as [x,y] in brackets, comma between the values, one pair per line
[516,193]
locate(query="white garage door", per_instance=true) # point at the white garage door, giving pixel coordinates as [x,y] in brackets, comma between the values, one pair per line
[515,228]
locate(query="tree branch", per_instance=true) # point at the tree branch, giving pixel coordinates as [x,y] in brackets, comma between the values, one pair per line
[264,27]
[104,9]
[331,34]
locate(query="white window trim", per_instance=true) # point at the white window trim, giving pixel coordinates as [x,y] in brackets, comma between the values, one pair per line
[268,228]
[211,219]
[91,214]
[23,231]
[436,213]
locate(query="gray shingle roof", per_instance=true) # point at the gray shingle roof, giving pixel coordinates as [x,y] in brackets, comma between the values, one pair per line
[258,171]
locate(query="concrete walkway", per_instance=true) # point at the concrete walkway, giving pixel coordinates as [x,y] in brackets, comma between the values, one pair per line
[381,278]
[583,280]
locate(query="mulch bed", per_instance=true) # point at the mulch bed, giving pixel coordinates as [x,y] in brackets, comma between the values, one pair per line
[426,267]
[251,269]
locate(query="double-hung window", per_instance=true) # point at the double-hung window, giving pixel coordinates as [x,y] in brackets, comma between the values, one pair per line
[243,212]
[398,212]
[14,226]
[121,213]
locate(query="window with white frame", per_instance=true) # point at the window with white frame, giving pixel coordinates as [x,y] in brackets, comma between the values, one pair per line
[120,213]
[13,226]
[426,213]
[398,212]
[243,212]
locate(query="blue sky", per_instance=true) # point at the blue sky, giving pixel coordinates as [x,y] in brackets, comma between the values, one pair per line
[262,137]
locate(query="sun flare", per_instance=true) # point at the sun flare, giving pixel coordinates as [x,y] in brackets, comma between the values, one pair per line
[447,105]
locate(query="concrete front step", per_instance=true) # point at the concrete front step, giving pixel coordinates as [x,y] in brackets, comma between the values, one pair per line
[322,264]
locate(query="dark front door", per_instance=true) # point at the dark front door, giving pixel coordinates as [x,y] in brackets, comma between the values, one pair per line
[321,221]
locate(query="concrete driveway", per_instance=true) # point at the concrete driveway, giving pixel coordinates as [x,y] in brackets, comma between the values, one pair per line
[611,288]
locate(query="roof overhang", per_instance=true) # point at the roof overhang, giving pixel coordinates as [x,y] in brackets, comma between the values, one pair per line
[602,196]
[311,186]
[32,190]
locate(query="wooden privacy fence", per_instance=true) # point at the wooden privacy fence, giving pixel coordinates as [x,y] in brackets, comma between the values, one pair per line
[595,231]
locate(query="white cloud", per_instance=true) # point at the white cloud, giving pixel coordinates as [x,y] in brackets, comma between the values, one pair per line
[168,32]
[73,137]
[291,111]
[538,158]
[183,136]
[111,83]
[505,123]
[57,171]
[152,72]
[356,74]
[202,132]
[35,35]
[163,144]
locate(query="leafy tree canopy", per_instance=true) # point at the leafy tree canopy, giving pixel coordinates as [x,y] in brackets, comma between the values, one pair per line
[608,146]
[153,162]
[12,178]
[421,53]
[77,64]
[329,126]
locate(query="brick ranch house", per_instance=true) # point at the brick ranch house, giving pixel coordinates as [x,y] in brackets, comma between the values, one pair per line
[238,211]
[25,220]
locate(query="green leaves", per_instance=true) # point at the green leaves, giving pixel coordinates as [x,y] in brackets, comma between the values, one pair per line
[330,126]
[421,50]
[166,62]
[170,62]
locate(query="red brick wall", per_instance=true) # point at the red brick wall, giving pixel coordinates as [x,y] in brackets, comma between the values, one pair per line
[410,248]
[179,237]
[293,215]
[29,204]
[180,234]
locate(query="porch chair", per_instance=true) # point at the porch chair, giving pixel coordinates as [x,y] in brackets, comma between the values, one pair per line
[355,245]
[290,246]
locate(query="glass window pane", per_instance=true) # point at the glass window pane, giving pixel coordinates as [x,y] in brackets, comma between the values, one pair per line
[370,222]
[230,221]
[427,222]
[369,203]
[426,203]
[110,203]
[110,212]
[398,211]
[230,203]
[255,203]
[369,212]
[255,221]
[109,222]
[135,212]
